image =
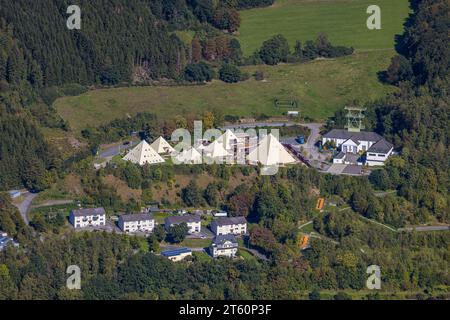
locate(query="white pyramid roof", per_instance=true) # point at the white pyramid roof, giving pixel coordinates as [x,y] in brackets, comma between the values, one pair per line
[142,154]
[215,150]
[199,145]
[160,145]
[226,139]
[270,152]
[190,156]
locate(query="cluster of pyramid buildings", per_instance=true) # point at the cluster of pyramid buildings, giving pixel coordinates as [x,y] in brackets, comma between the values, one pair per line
[230,148]
[145,153]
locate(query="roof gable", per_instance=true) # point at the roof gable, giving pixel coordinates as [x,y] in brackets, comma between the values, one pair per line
[381,146]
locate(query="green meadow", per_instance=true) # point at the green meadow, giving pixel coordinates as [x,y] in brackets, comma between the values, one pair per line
[344,21]
[321,87]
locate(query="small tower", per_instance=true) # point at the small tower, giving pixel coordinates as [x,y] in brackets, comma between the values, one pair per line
[355,117]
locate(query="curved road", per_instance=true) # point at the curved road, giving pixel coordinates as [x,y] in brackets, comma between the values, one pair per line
[25,206]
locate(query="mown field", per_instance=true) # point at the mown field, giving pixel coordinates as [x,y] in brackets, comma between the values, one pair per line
[322,87]
[344,21]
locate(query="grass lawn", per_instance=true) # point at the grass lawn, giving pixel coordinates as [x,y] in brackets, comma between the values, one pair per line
[161,216]
[322,87]
[202,256]
[344,21]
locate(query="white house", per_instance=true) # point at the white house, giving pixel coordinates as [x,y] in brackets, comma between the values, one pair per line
[143,154]
[233,225]
[140,222]
[193,222]
[224,246]
[379,153]
[177,254]
[83,218]
[354,144]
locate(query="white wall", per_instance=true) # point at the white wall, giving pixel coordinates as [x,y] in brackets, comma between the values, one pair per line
[236,229]
[88,221]
[135,226]
[228,252]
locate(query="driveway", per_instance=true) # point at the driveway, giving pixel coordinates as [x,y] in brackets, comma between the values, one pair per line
[310,146]
[25,206]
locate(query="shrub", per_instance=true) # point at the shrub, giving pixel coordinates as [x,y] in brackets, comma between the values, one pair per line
[230,74]
[198,72]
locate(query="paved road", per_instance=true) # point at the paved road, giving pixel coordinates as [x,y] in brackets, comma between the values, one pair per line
[258,124]
[426,229]
[113,151]
[174,247]
[24,207]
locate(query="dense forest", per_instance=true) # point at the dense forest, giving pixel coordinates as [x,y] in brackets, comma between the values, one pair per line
[140,38]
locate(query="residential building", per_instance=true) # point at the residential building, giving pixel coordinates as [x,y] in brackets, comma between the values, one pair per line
[140,222]
[353,145]
[379,153]
[7,241]
[177,254]
[193,222]
[233,225]
[224,246]
[92,217]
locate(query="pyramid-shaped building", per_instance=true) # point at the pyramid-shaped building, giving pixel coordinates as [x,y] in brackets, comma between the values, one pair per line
[270,152]
[161,146]
[143,154]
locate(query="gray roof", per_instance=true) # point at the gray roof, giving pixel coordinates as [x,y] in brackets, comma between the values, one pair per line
[220,240]
[381,146]
[353,170]
[225,221]
[88,212]
[340,155]
[356,136]
[136,217]
[181,219]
